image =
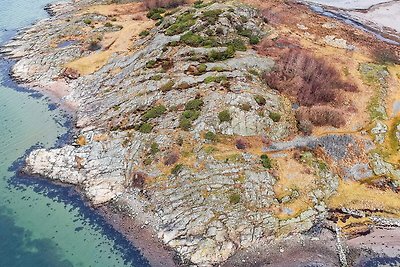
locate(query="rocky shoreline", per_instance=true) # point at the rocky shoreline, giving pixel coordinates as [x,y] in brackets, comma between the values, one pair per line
[158,124]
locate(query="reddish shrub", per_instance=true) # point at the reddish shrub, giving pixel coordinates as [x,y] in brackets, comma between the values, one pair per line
[138,179]
[150,4]
[310,80]
[305,126]
[269,47]
[171,158]
[241,143]
[321,116]
[386,56]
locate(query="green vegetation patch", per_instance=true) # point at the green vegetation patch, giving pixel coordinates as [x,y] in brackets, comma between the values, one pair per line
[274,116]
[216,79]
[155,13]
[211,16]
[144,33]
[210,136]
[154,112]
[177,169]
[224,116]
[266,161]
[196,40]
[237,44]
[145,128]
[168,86]
[260,100]
[215,55]
[182,24]
[234,198]
[154,148]
[376,76]
[191,113]
[194,104]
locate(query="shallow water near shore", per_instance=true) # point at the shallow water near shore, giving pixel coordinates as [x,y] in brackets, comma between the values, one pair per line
[42,224]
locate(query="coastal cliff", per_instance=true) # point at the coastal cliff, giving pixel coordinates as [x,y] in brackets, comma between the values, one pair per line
[185,124]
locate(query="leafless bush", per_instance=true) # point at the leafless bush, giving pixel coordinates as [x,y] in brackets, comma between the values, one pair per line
[274,47]
[150,4]
[138,179]
[321,116]
[307,78]
[241,143]
[171,158]
[305,126]
[386,56]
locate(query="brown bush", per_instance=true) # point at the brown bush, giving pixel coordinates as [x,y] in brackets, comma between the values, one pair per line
[241,143]
[274,47]
[150,4]
[171,158]
[321,116]
[305,126]
[138,179]
[309,79]
[386,56]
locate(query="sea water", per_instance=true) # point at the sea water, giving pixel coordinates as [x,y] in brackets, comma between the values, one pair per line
[42,224]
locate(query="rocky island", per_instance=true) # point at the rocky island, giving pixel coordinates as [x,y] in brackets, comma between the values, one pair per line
[224,133]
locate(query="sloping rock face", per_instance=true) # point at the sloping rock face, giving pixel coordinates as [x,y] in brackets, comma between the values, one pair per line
[148,121]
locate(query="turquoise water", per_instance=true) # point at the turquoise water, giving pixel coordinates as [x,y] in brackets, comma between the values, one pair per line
[42,224]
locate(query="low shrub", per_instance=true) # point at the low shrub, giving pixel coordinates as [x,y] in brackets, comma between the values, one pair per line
[266,161]
[87,21]
[191,114]
[311,81]
[138,179]
[155,13]
[171,158]
[214,55]
[185,124]
[237,44]
[274,116]
[194,104]
[216,79]
[244,32]
[321,116]
[145,128]
[234,198]
[245,106]
[144,33]
[154,148]
[151,4]
[260,100]
[211,16]
[224,116]
[151,64]
[176,169]
[154,112]
[386,56]
[182,24]
[202,68]
[254,40]
[210,136]
[305,126]
[240,143]
[168,86]
[192,39]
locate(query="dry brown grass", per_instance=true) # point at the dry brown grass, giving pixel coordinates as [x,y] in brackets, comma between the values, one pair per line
[354,195]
